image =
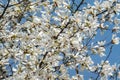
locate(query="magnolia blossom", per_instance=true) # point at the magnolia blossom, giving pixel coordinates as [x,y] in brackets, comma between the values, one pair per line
[77,77]
[115,40]
[98,50]
[101,43]
[36,20]
[107,70]
[116,29]
[118,74]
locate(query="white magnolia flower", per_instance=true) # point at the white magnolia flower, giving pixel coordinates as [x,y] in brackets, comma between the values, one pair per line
[36,20]
[116,29]
[115,40]
[98,50]
[101,43]
[117,8]
[107,69]
[119,75]
[77,77]
[104,6]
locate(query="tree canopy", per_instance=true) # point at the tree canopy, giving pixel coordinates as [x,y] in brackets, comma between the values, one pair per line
[43,39]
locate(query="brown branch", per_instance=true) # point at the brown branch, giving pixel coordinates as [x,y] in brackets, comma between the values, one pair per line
[79,6]
[5,9]
[41,63]
[62,30]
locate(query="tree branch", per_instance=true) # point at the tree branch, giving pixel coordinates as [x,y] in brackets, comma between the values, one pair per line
[5,9]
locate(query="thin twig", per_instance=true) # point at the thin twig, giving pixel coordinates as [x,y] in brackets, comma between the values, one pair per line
[5,9]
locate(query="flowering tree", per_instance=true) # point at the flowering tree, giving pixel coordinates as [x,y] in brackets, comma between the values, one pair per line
[43,39]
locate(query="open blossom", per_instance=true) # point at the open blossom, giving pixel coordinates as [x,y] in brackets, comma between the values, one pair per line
[119,75]
[98,50]
[116,29]
[107,69]
[77,77]
[101,43]
[115,40]
[117,8]
[36,20]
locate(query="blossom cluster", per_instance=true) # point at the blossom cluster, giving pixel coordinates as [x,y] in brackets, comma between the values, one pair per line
[43,39]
